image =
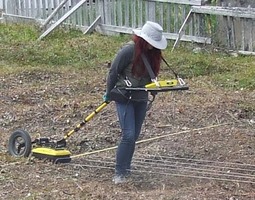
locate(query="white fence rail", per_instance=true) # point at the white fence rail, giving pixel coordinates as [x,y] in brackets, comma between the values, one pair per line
[122,15]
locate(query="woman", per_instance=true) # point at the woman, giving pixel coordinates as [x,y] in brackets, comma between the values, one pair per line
[129,70]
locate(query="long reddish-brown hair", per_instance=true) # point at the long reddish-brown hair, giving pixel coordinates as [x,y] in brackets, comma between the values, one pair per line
[153,55]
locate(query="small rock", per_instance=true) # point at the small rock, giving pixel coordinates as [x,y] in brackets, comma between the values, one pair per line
[234,54]
[252,121]
[197,50]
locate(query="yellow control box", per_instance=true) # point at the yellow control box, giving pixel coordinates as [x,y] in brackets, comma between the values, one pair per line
[164,83]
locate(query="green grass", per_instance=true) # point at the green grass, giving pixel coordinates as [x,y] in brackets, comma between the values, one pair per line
[18,44]
[224,69]
[19,48]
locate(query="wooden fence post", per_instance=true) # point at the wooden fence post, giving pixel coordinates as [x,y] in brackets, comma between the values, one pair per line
[62,19]
[53,13]
[182,29]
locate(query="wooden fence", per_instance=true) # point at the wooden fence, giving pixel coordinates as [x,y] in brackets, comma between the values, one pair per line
[230,27]
[235,27]
[116,15]
[184,20]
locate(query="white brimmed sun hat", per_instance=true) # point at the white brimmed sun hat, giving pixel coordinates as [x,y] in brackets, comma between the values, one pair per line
[152,33]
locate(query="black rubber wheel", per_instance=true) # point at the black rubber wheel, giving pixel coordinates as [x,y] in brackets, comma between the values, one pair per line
[20,144]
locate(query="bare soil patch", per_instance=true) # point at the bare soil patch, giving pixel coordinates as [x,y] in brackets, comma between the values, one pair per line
[201,146]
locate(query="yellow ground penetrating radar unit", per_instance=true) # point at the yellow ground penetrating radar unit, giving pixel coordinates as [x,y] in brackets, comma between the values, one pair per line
[21,145]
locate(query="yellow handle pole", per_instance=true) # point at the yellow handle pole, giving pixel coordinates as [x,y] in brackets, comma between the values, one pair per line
[89,117]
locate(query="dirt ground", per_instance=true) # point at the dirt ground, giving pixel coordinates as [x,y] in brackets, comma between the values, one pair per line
[195,144]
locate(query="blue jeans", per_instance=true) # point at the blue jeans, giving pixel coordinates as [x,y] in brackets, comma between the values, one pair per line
[131,117]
